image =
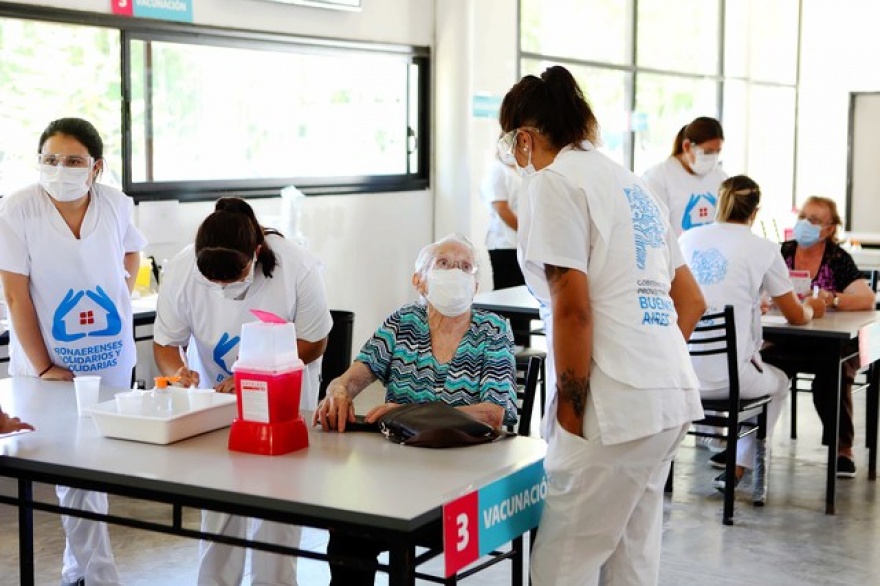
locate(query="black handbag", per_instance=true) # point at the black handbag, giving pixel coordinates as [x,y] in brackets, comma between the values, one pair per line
[436,425]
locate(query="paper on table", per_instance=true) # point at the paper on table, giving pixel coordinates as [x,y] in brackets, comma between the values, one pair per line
[774,319]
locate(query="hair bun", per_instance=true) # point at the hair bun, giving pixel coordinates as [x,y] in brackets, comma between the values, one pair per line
[234,205]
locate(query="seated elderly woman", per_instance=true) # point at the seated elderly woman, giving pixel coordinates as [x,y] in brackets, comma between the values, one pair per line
[439,349]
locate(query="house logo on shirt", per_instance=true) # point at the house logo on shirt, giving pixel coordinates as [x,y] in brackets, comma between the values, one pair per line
[709,266]
[223,355]
[647,227]
[87,314]
[700,210]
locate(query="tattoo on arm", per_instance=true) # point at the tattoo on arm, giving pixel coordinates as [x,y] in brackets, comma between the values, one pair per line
[554,274]
[574,390]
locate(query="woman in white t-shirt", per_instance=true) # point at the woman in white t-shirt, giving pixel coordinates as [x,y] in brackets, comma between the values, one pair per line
[733,266]
[69,254]
[499,190]
[687,182]
[208,291]
[597,249]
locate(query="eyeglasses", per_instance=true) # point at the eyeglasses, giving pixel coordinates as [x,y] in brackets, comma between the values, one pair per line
[814,221]
[507,144]
[78,161]
[445,264]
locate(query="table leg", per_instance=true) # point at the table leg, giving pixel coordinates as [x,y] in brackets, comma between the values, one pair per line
[25,532]
[872,406]
[831,479]
[401,564]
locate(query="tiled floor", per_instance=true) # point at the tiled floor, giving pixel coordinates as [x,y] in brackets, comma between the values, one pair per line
[788,542]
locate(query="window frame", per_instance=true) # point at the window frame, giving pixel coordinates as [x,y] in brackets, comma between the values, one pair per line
[134,29]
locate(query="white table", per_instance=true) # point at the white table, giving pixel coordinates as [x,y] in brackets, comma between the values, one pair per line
[353,481]
[510,302]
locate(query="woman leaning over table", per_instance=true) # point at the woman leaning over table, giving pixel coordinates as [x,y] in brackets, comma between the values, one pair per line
[597,248]
[69,254]
[842,287]
[733,266]
[207,295]
[438,349]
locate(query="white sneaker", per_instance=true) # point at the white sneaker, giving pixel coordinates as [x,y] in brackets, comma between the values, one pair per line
[713,444]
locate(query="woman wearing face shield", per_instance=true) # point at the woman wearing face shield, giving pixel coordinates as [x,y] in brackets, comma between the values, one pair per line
[597,249]
[207,294]
[842,287]
[687,182]
[69,254]
[438,349]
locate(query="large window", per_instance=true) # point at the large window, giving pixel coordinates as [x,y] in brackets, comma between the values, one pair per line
[651,66]
[191,116]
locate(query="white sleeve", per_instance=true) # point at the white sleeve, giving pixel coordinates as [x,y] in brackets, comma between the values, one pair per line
[13,245]
[172,326]
[311,317]
[132,239]
[557,229]
[777,281]
[654,178]
[495,185]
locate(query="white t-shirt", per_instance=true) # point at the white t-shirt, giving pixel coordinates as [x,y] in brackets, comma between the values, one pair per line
[691,199]
[587,213]
[732,266]
[188,313]
[501,183]
[77,285]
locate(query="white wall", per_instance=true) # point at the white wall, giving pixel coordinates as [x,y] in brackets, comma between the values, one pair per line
[840,53]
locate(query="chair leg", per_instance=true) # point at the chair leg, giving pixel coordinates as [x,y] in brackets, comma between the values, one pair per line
[759,488]
[730,471]
[668,488]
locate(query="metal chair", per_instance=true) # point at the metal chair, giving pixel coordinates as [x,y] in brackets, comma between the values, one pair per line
[337,356]
[716,334]
[527,387]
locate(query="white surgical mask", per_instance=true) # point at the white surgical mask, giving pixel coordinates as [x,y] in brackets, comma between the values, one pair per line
[235,290]
[529,169]
[65,183]
[450,291]
[703,162]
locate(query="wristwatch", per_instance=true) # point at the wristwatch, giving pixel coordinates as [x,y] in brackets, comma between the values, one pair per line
[835,302]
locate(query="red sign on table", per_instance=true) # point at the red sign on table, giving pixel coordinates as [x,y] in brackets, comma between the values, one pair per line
[461,540]
[123,7]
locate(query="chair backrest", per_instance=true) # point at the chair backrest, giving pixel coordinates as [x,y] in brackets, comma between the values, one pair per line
[872,276]
[527,387]
[715,333]
[337,357]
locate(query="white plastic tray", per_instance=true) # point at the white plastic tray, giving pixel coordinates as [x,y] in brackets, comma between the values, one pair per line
[180,424]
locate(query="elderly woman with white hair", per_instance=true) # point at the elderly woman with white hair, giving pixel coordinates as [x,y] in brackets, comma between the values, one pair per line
[438,349]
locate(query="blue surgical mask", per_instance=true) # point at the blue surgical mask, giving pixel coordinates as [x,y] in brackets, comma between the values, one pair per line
[806,233]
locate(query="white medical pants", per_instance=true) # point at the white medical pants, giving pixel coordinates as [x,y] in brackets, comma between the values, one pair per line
[604,509]
[223,565]
[754,383]
[87,551]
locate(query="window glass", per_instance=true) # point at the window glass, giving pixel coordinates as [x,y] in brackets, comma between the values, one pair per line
[592,30]
[664,104]
[230,113]
[606,91]
[678,36]
[770,150]
[761,40]
[52,71]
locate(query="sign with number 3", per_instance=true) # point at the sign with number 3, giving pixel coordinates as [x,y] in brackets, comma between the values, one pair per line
[481,521]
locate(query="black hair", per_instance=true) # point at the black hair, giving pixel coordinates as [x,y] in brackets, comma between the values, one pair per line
[81,130]
[554,104]
[227,239]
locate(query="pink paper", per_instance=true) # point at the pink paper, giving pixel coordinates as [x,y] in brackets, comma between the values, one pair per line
[268,317]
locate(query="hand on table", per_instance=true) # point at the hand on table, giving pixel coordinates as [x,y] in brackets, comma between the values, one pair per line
[334,410]
[817,304]
[227,385]
[57,373]
[11,424]
[188,378]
